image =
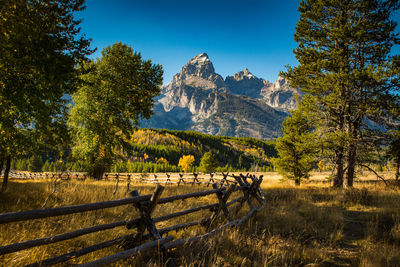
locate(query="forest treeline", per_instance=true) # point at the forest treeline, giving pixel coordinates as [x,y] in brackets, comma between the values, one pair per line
[160,150]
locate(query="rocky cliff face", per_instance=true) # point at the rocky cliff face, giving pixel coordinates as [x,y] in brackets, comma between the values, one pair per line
[199,99]
[280,95]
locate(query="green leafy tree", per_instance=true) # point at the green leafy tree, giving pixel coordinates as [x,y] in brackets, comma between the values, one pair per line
[298,147]
[345,65]
[119,89]
[40,46]
[208,163]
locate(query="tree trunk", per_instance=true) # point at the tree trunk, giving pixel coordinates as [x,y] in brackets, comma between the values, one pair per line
[352,152]
[351,164]
[397,168]
[6,172]
[98,172]
[338,179]
[297,181]
[1,165]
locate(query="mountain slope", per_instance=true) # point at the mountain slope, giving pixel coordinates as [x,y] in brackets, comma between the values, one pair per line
[199,99]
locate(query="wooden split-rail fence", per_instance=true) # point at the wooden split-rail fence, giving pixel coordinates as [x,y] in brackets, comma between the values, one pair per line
[157,178]
[226,208]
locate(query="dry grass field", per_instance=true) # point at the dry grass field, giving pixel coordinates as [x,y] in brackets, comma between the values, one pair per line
[310,225]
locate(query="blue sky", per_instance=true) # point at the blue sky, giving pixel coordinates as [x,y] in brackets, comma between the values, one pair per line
[257,34]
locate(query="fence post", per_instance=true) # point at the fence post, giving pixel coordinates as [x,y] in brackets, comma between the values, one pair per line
[116,185]
[222,198]
[145,217]
[225,175]
[181,179]
[195,178]
[211,179]
[129,183]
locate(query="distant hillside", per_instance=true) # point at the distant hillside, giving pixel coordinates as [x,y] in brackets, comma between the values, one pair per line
[159,150]
[238,153]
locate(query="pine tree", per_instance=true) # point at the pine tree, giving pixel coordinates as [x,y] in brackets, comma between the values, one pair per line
[208,163]
[345,65]
[298,147]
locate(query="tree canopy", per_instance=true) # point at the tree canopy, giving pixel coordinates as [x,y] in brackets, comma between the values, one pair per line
[298,146]
[119,89]
[208,163]
[346,67]
[40,46]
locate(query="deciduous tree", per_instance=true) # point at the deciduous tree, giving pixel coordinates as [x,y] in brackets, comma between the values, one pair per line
[40,46]
[119,89]
[185,162]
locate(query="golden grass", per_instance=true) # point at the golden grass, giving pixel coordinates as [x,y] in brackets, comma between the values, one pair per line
[312,225]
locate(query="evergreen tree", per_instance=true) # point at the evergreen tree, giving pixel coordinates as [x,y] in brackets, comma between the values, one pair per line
[345,65]
[298,146]
[119,89]
[35,164]
[208,163]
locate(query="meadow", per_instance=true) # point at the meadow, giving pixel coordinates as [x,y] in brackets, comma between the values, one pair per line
[309,225]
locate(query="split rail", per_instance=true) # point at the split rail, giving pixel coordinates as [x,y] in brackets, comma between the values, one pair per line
[223,212]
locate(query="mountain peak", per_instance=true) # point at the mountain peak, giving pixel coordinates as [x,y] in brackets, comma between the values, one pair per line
[200,60]
[247,73]
[203,57]
[244,75]
[200,66]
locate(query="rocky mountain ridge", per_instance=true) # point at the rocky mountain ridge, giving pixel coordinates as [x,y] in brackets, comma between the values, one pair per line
[199,99]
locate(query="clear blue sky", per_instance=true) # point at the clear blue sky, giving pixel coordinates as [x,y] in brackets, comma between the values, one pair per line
[257,34]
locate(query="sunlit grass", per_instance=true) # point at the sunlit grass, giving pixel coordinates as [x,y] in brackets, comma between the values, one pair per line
[310,224]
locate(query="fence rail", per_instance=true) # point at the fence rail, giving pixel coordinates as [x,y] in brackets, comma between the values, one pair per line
[225,208]
[168,178]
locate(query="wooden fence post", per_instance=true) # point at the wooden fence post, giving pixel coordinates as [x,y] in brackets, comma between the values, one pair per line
[222,198]
[116,185]
[181,179]
[211,179]
[145,216]
[195,178]
[225,175]
[129,183]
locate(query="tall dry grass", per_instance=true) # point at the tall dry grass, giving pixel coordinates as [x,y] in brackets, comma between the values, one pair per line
[312,225]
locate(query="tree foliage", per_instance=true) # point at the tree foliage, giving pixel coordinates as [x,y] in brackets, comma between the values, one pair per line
[118,90]
[298,147]
[40,46]
[208,163]
[345,65]
[186,162]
